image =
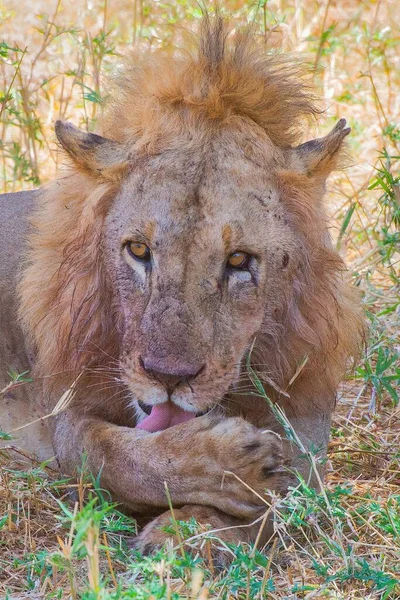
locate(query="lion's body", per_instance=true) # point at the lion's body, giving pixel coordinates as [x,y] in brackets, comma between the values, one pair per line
[19,405]
[202,164]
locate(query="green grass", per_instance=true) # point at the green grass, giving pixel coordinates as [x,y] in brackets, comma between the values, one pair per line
[331,542]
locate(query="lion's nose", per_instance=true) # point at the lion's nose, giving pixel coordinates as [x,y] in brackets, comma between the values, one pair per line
[169,375]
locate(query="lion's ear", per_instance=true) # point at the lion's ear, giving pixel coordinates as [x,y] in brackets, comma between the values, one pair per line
[320,156]
[89,151]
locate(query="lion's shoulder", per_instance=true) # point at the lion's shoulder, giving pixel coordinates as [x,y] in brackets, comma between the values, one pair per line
[15,210]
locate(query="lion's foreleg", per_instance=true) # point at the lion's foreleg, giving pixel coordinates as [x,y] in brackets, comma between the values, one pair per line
[189,459]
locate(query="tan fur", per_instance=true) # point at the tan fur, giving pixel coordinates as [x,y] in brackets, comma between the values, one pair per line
[164,99]
[235,112]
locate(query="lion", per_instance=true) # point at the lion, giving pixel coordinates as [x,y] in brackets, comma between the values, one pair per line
[184,243]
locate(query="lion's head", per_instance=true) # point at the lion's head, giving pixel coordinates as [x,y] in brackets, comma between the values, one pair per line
[192,232]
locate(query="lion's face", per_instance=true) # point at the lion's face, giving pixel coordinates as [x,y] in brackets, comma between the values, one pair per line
[213,249]
[202,175]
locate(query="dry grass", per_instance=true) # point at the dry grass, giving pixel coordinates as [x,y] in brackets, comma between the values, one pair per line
[345,548]
[343,545]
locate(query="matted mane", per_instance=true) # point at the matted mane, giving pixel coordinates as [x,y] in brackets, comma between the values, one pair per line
[158,97]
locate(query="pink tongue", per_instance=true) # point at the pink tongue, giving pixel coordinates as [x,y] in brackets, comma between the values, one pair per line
[165,415]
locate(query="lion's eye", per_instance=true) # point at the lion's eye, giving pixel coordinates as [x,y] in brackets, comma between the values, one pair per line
[139,251]
[238,260]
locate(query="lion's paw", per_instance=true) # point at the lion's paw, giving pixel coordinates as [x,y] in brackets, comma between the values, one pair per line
[153,537]
[251,454]
[224,530]
[251,446]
